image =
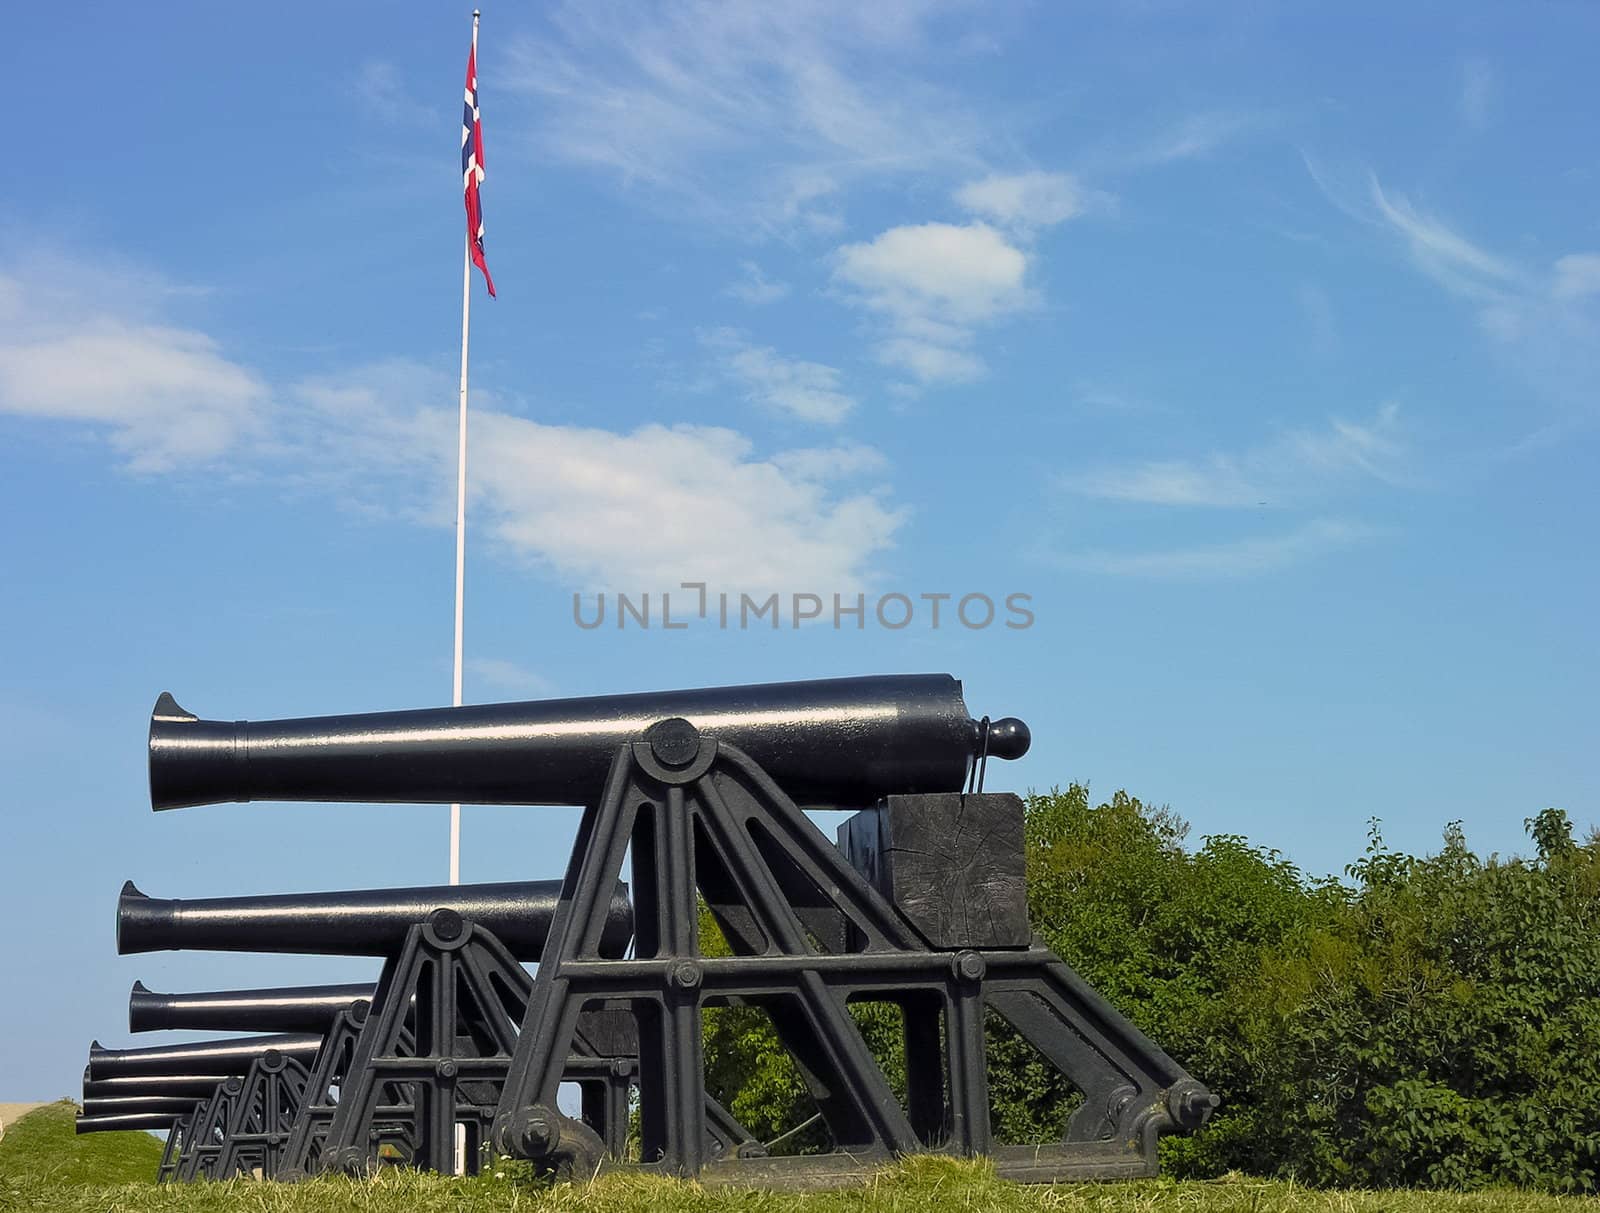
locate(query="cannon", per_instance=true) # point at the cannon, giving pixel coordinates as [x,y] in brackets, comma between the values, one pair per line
[840,743]
[212,1057]
[387,923]
[382,922]
[368,922]
[921,905]
[295,1009]
[234,1117]
[281,1120]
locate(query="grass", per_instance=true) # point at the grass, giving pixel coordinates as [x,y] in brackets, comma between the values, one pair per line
[42,1146]
[45,1170]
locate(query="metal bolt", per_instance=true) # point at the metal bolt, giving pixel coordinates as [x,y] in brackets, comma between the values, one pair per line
[1192,1106]
[540,1132]
[968,966]
[446,924]
[686,974]
[674,741]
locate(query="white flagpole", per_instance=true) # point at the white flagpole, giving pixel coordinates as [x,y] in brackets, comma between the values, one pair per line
[461,492]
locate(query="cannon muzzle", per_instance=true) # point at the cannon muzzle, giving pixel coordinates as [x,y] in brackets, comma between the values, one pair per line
[367,922]
[121,1123]
[293,1009]
[220,1057]
[840,743]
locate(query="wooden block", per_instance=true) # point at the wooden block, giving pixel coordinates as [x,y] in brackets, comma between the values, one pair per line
[610,1032]
[953,863]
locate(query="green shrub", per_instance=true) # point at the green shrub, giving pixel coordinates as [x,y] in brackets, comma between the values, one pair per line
[1433,1022]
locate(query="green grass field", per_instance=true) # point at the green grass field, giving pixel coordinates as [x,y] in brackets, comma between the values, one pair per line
[44,1167]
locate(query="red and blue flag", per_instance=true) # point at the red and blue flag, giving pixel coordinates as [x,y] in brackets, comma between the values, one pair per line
[472,166]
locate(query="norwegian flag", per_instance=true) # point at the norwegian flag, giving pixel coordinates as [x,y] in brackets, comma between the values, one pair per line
[472,163]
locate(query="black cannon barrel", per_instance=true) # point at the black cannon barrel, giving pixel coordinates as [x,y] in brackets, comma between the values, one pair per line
[840,742]
[365,922]
[139,1105]
[219,1057]
[124,1122]
[290,1009]
[162,1086]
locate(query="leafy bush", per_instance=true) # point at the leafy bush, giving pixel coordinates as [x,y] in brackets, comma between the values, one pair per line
[1442,1030]
[1434,1021]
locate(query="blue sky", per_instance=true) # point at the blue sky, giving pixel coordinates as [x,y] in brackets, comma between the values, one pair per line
[1257,347]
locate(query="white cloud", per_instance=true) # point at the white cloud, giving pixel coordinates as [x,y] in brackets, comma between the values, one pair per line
[935,284]
[639,510]
[1577,276]
[1544,326]
[807,390]
[1440,250]
[963,274]
[1300,465]
[601,509]
[754,287]
[1025,200]
[927,362]
[1238,558]
[761,112]
[662,505]
[163,394]
[1192,137]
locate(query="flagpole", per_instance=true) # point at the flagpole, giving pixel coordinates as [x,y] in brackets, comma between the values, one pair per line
[461,499]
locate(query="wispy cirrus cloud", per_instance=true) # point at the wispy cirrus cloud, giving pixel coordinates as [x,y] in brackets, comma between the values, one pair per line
[1198,135]
[1294,471]
[1247,557]
[1296,467]
[809,391]
[1441,251]
[759,112]
[1544,323]
[1194,136]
